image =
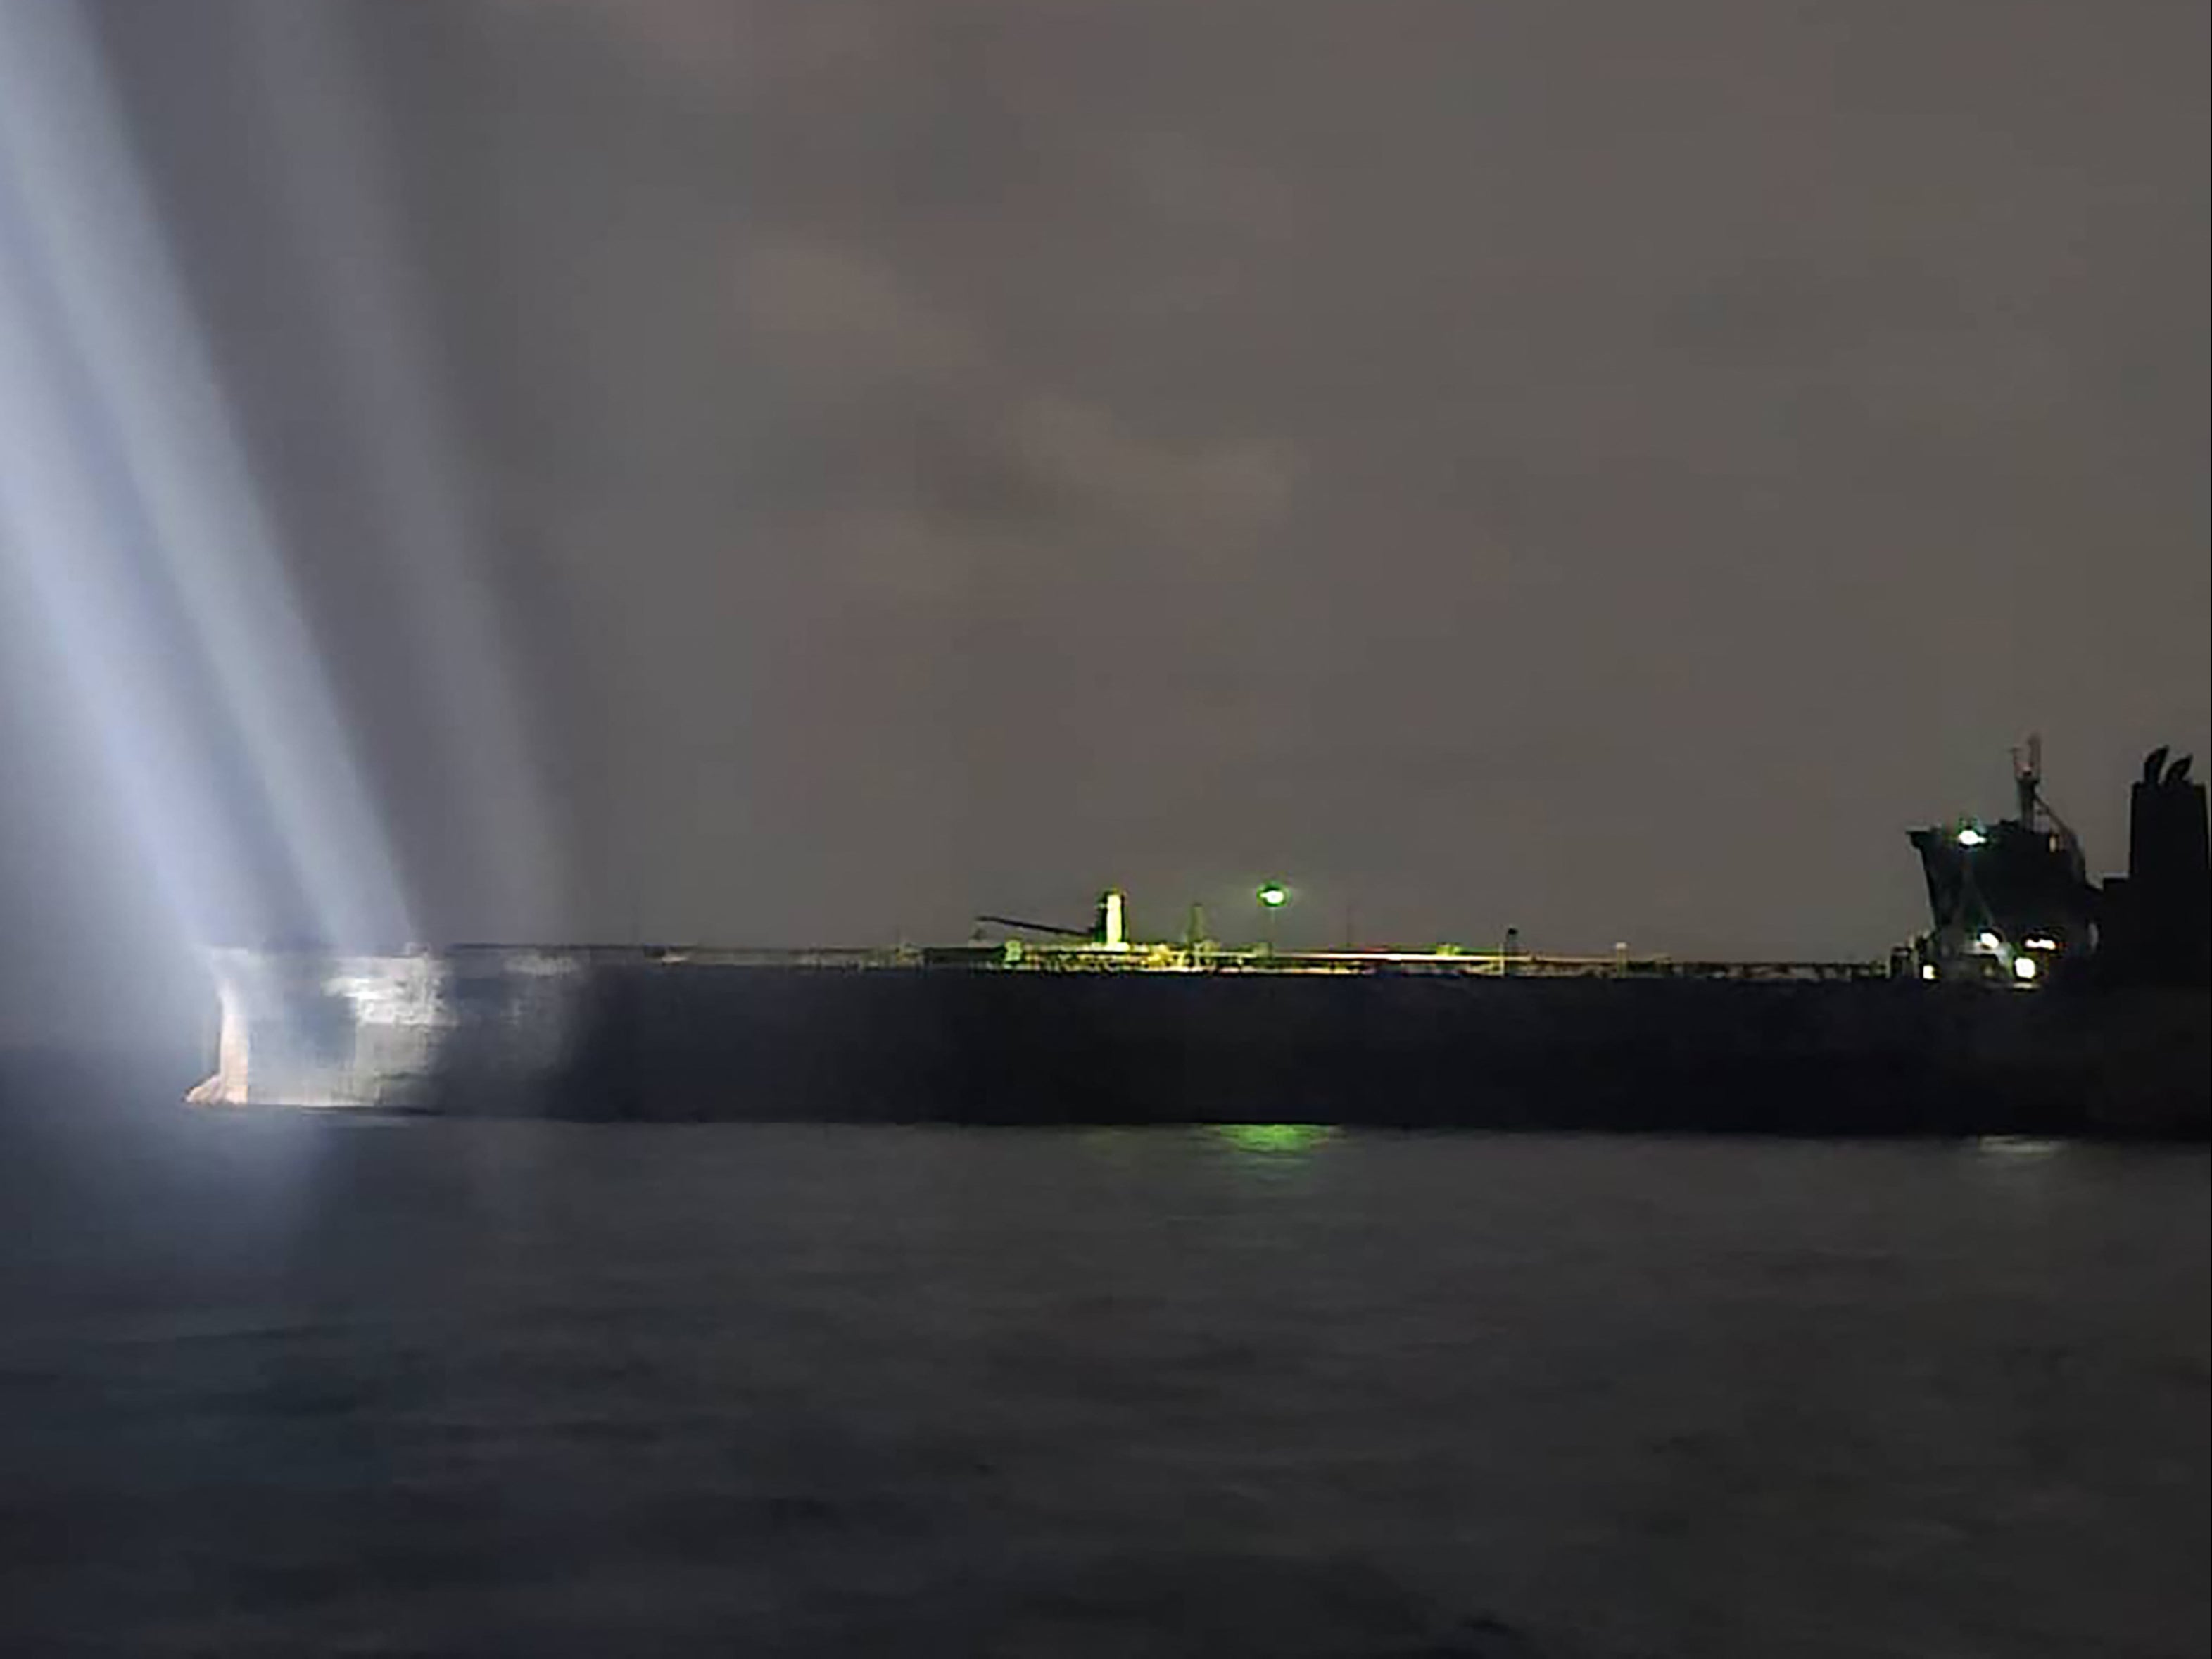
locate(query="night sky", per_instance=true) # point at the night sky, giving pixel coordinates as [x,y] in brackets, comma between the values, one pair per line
[778,474]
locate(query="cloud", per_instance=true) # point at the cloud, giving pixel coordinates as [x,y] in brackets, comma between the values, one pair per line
[909,408]
[702,40]
[1080,451]
[836,321]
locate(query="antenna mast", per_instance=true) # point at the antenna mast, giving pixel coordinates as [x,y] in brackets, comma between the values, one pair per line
[2028,780]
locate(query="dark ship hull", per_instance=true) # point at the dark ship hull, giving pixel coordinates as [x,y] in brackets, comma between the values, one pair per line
[629,1035]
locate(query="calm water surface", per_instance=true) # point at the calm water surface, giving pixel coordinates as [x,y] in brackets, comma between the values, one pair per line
[285,1386]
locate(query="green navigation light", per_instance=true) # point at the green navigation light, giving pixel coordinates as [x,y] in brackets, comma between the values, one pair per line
[1274,894]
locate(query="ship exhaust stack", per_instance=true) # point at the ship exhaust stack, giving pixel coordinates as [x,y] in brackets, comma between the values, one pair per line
[2158,918]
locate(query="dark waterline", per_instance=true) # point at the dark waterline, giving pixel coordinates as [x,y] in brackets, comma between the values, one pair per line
[286,1384]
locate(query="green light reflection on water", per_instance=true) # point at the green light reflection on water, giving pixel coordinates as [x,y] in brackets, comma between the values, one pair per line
[1274,1138]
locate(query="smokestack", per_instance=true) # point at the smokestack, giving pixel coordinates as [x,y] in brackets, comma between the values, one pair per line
[2159,921]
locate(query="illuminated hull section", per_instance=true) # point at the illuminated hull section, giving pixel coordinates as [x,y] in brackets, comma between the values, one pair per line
[641,1035]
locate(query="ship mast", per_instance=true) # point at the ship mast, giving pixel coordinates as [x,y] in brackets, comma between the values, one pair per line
[2028,780]
[2035,812]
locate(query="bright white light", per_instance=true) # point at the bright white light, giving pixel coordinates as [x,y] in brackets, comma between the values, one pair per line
[123,472]
[333,175]
[1988,941]
[1928,971]
[2024,967]
[2042,942]
[1969,836]
[1111,934]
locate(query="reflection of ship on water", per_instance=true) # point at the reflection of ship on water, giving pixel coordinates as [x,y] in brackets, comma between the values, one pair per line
[2012,901]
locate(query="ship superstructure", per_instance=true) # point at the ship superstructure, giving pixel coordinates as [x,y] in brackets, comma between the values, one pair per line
[2012,902]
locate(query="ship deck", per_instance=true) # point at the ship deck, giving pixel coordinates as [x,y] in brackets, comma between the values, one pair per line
[997,958]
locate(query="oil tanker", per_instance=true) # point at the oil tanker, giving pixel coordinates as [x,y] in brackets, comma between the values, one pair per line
[2037,1002]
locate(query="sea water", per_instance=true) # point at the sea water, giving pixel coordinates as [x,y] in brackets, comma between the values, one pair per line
[276,1385]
